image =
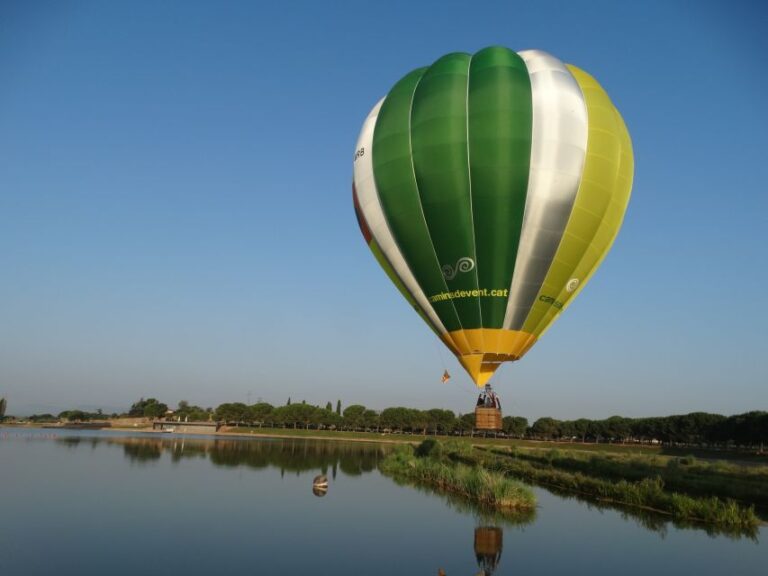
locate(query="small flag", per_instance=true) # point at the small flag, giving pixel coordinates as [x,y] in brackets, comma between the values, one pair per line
[445,377]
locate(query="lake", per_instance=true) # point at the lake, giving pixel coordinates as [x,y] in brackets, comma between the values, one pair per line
[117,503]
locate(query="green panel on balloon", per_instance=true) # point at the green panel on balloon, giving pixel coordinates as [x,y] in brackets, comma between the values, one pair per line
[396,184]
[499,127]
[441,165]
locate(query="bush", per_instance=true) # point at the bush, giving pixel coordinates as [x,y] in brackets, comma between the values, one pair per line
[429,447]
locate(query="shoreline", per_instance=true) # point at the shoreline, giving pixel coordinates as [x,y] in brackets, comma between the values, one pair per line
[740,458]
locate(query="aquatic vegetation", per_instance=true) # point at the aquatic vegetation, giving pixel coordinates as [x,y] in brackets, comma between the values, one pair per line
[649,493]
[686,474]
[433,464]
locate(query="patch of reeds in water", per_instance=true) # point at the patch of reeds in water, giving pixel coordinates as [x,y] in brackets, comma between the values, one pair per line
[746,484]
[648,493]
[431,465]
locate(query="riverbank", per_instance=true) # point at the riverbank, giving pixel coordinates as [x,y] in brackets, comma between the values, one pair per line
[647,491]
[485,476]
[663,454]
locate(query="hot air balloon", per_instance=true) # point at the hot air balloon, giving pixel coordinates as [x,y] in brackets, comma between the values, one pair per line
[490,187]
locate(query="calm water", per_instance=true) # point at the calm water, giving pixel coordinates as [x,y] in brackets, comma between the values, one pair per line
[103,502]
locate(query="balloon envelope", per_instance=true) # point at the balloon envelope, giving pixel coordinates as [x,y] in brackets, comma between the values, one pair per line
[490,187]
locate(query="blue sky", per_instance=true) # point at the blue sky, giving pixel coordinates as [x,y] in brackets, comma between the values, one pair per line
[176,216]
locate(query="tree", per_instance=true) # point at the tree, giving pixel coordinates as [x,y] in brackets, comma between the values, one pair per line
[466,423]
[261,412]
[3,405]
[327,418]
[353,416]
[233,412]
[137,408]
[299,414]
[329,406]
[441,421]
[580,428]
[289,401]
[76,416]
[338,407]
[546,427]
[514,425]
[396,418]
[419,420]
[371,419]
[186,412]
[617,428]
[149,408]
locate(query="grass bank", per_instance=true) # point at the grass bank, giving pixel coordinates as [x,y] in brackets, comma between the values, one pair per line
[648,493]
[686,474]
[431,463]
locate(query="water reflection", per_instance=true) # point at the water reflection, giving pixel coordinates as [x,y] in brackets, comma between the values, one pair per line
[292,456]
[657,522]
[355,459]
[488,545]
[319,491]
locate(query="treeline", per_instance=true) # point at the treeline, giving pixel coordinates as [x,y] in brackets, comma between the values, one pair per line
[698,428]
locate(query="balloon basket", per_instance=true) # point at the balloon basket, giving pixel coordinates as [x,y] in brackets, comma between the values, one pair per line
[488,419]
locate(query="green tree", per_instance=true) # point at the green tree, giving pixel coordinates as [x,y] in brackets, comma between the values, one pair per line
[329,406]
[338,407]
[327,418]
[514,426]
[396,418]
[353,416]
[155,409]
[419,420]
[299,414]
[189,412]
[371,419]
[149,408]
[440,421]
[617,428]
[261,412]
[3,405]
[466,423]
[234,412]
[546,427]
[76,416]
[43,418]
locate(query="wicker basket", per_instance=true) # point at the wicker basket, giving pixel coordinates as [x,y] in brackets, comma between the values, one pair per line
[487,418]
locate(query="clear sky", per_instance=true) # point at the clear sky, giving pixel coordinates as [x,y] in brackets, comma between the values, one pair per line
[176,216]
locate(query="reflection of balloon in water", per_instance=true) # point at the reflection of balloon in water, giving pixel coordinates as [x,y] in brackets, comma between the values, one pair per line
[320,480]
[488,545]
[320,485]
[320,491]
[490,187]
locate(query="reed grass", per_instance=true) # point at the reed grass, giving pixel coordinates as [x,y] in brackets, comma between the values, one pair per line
[686,474]
[431,465]
[649,492]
